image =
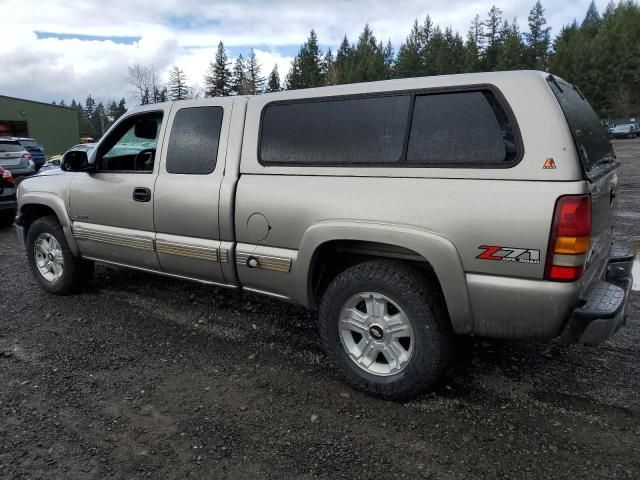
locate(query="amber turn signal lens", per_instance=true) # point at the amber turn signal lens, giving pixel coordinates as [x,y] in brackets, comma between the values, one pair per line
[572,245]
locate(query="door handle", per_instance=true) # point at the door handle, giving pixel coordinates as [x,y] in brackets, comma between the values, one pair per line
[141,194]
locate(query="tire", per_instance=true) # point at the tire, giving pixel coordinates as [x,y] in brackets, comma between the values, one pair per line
[7,218]
[410,297]
[67,274]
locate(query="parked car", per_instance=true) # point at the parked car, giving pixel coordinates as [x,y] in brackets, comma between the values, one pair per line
[15,158]
[55,160]
[35,149]
[624,130]
[8,204]
[406,211]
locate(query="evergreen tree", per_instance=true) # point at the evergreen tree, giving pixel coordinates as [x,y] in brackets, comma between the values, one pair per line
[368,59]
[240,81]
[538,39]
[89,107]
[177,85]
[273,82]
[410,62]
[306,68]
[145,99]
[217,82]
[255,82]
[492,31]
[512,54]
[341,66]
[592,20]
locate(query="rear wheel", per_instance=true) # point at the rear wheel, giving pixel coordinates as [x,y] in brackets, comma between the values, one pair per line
[51,261]
[386,329]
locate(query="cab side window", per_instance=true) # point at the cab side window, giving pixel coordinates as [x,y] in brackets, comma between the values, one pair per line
[131,146]
[193,143]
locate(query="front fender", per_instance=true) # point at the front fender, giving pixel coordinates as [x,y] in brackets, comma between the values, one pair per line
[55,203]
[438,251]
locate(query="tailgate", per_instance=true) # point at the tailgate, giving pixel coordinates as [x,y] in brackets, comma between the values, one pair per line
[10,160]
[603,193]
[597,159]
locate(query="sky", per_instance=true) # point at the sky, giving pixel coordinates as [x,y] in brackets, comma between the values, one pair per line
[64,49]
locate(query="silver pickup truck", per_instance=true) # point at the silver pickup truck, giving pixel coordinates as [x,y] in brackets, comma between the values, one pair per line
[406,211]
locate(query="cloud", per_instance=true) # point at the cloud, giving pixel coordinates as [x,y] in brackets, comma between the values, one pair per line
[76,61]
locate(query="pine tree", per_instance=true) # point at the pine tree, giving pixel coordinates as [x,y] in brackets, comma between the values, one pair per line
[340,69]
[493,27]
[218,80]
[538,39]
[145,99]
[592,19]
[512,54]
[273,82]
[255,82]
[240,81]
[89,107]
[177,85]
[368,60]
[410,62]
[306,68]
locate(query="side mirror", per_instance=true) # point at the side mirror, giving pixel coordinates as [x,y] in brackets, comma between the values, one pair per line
[76,161]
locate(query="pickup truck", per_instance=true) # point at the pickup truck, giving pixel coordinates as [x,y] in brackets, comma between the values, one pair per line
[406,212]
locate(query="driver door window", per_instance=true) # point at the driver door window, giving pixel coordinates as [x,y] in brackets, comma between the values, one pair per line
[131,147]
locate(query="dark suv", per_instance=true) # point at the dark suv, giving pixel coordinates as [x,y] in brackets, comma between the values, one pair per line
[35,149]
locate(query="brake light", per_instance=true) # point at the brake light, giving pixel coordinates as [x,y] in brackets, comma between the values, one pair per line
[7,177]
[26,155]
[569,239]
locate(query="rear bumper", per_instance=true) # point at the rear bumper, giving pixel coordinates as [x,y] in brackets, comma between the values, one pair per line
[602,309]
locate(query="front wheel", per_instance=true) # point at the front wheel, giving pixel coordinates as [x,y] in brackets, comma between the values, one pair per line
[385,327]
[51,261]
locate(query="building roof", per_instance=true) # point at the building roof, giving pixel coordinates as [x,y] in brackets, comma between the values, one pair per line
[36,102]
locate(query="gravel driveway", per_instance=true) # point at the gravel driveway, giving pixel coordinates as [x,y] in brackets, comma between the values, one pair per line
[147,377]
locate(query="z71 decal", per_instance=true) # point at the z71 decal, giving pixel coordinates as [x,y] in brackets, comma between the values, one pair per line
[509,254]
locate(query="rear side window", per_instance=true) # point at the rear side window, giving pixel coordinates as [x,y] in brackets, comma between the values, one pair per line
[193,143]
[590,136]
[10,147]
[466,128]
[335,132]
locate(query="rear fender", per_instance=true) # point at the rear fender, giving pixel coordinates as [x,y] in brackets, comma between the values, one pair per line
[436,250]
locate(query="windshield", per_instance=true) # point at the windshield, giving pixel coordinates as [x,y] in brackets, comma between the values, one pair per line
[590,136]
[10,147]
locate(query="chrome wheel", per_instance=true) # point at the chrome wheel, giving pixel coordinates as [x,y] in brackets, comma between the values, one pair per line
[48,257]
[376,334]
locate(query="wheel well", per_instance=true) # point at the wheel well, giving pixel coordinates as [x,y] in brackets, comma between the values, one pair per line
[335,256]
[31,212]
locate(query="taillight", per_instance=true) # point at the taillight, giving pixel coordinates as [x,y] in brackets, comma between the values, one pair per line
[570,238]
[26,155]
[7,178]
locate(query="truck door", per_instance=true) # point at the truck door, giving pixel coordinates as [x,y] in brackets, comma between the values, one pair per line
[187,190]
[112,208]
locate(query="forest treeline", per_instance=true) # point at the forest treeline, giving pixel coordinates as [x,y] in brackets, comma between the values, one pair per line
[600,54]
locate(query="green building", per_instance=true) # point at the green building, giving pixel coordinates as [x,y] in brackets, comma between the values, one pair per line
[55,128]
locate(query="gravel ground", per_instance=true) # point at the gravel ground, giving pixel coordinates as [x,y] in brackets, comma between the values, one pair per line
[147,377]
